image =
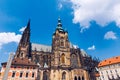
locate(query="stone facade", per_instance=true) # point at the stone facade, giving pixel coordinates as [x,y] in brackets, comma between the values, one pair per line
[61,61]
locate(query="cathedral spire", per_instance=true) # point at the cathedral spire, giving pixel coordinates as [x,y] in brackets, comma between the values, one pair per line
[23,49]
[28,25]
[26,34]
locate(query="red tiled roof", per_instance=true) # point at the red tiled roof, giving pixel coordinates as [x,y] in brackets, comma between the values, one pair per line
[109,61]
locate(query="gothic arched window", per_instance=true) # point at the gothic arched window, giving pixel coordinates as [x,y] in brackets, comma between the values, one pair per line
[63,58]
[74,61]
[22,55]
[63,76]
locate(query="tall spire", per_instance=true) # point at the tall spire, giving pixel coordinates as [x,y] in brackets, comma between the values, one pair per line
[24,43]
[28,25]
[25,39]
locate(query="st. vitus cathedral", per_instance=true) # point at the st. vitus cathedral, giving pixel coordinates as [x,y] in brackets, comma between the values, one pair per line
[60,61]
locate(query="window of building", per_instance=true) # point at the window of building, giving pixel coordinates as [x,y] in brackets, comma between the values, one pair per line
[63,58]
[62,43]
[74,61]
[63,76]
[27,67]
[13,74]
[115,70]
[33,74]
[102,76]
[106,71]
[27,74]
[21,73]
[45,57]
[14,66]
[110,71]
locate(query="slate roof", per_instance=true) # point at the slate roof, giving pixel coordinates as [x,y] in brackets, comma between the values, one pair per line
[41,47]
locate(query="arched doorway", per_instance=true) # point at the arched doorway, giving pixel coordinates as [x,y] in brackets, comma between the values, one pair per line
[64,76]
[75,78]
[79,78]
[82,78]
[45,75]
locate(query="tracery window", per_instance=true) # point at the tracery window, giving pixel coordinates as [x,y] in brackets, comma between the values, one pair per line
[22,55]
[74,61]
[63,76]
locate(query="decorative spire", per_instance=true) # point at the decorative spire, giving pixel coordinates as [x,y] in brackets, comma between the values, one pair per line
[59,25]
[24,43]
[26,34]
[59,22]
[28,25]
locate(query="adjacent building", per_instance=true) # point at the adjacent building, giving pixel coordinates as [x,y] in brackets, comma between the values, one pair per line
[60,61]
[109,69]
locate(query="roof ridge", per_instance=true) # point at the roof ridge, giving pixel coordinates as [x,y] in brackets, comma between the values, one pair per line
[41,44]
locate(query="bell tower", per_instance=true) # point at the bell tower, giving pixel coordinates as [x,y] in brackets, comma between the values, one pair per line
[61,46]
[23,50]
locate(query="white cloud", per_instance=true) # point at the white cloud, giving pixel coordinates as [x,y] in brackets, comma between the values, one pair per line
[92,47]
[101,11]
[60,6]
[110,35]
[22,29]
[75,46]
[7,37]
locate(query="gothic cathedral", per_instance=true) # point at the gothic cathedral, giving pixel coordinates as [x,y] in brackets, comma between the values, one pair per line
[60,61]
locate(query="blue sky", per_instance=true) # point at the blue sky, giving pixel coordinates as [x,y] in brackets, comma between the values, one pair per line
[92,27]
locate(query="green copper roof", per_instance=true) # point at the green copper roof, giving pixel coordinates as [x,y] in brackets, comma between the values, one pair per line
[59,25]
